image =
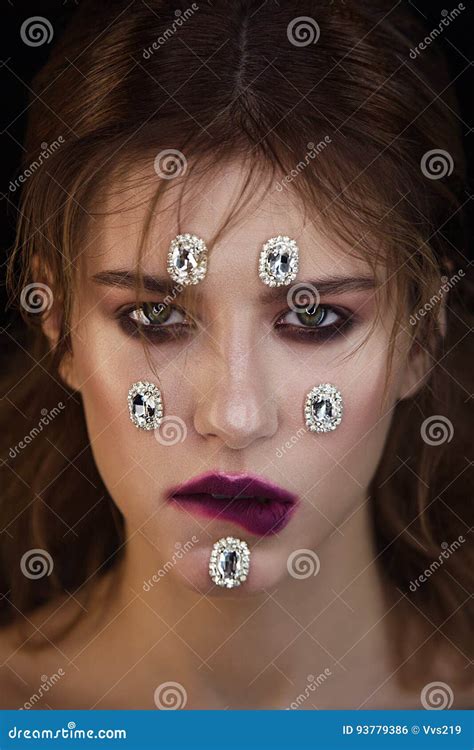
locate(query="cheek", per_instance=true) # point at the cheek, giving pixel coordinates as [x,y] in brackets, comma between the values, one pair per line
[332,471]
[130,461]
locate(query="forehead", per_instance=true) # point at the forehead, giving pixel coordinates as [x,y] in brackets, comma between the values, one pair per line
[204,207]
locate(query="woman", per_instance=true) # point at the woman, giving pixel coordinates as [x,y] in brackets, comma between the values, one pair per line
[247,267]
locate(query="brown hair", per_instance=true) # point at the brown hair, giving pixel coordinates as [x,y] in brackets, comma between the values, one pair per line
[239,79]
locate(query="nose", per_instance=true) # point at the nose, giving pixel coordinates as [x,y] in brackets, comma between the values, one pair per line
[238,407]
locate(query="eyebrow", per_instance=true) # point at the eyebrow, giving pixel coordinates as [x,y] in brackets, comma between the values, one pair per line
[328,285]
[129,280]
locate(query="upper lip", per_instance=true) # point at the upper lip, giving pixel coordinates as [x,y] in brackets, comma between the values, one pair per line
[233,486]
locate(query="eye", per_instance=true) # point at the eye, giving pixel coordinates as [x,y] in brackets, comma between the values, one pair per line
[316,322]
[156,320]
[156,313]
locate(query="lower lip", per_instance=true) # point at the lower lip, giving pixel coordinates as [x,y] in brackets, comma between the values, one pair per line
[254,516]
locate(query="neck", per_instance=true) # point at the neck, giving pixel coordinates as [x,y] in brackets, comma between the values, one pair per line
[263,646]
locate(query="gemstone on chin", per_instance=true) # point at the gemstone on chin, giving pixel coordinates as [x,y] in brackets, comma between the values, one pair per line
[229,562]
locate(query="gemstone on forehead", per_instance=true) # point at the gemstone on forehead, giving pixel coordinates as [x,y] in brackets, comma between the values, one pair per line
[187,259]
[145,405]
[278,262]
[229,562]
[323,408]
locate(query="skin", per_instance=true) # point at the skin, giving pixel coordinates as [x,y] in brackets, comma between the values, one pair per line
[239,388]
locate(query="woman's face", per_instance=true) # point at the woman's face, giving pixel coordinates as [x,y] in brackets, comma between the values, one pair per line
[236,385]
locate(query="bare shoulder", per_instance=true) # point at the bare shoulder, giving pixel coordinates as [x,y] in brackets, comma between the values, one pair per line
[37,648]
[10,682]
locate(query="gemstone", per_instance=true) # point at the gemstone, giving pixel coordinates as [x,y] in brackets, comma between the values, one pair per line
[229,562]
[145,405]
[187,259]
[323,408]
[278,262]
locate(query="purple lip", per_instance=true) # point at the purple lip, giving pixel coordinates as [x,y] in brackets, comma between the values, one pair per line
[250,501]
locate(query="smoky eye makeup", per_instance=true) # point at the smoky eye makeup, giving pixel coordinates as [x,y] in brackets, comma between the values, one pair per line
[316,323]
[157,321]
[160,322]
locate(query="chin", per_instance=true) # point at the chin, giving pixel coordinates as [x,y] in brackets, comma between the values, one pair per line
[267,569]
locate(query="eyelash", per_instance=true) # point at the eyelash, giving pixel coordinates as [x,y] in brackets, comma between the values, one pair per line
[163,332]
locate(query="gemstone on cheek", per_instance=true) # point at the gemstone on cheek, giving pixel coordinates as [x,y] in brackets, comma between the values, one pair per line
[322,409]
[143,407]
